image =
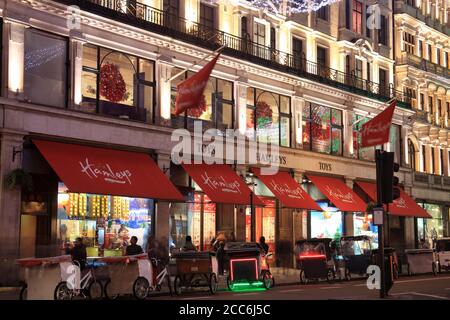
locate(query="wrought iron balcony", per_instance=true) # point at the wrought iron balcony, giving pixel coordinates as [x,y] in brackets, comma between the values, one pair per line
[424,65]
[158,21]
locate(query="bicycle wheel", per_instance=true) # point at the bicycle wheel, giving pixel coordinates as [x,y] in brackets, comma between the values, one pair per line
[177,285]
[229,284]
[302,277]
[330,276]
[213,284]
[109,296]
[141,288]
[267,282]
[24,293]
[62,292]
[95,290]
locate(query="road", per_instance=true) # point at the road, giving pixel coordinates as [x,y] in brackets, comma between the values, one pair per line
[405,288]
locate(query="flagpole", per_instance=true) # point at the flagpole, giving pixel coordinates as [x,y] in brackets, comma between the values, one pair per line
[195,63]
[368,114]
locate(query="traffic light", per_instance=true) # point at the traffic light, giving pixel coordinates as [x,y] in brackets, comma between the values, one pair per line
[389,182]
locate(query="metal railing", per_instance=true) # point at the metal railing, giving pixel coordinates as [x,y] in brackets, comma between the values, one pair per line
[244,48]
[424,65]
[433,181]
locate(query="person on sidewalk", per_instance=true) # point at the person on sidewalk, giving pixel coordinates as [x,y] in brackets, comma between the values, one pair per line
[263,245]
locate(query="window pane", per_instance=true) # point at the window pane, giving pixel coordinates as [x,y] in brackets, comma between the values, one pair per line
[146,70]
[145,103]
[225,88]
[45,68]
[88,91]
[336,117]
[336,141]
[250,96]
[285,103]
[267,117]
[90,56]
[285,131]
[224,116]
[306,135]
[321,129]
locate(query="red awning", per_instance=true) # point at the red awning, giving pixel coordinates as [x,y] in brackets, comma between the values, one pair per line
[339,193]
[221,183]
[105,171]
[403,206]
[287,190]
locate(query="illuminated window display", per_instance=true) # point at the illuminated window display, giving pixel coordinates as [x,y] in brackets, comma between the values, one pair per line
[363,226]
[322,129]
[106,223]
[430,229]
[367,153]
[265,223]
[326,223]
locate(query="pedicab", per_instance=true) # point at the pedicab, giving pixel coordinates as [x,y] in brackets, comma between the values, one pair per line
[442,250]
[314,260]
[128,275]
[194,270]
[57,278]
[248,266]
[420,261]
[357,254]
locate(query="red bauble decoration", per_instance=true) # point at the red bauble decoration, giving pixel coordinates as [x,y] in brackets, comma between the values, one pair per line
[112,85]
[198,111]
[263,110]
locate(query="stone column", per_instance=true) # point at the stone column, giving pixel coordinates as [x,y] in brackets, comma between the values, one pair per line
[162,211]
[241,106]
[348,216]
[298,102]
[404,134]
[348,132]
[240,214]
[164,73]
[11,144]
[76,55]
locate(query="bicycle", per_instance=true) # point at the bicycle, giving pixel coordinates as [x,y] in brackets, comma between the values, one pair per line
[88,288]
[142,288]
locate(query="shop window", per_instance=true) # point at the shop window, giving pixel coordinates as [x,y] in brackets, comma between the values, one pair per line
[367,153]
[383,32]
[117,84]
[215,110]
[363,225]
[383,83]
[265,223]
[326,223]
[357,17]
[207,16]
[201,224]
[269,116]
[433,228]
[106,223]
[45,64]
[322,129]
[178,223]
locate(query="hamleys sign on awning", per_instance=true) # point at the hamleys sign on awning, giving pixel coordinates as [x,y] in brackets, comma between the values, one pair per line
[94,170]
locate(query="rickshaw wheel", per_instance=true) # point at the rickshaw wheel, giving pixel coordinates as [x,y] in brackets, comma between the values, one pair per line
[95,290]
[330,276]
[177,285]
[213,284]
[23,292]
[141,288]
[302,277]
[62,291]
[267,281]
[108,296]
[229,285]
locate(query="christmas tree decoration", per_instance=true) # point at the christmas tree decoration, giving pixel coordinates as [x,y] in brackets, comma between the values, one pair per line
[112,85]
[263,115]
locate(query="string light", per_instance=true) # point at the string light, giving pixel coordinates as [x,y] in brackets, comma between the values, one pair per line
[77,205]
[39,57]
[290,6]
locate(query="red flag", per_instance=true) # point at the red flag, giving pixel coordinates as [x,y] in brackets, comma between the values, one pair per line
[190,91]
[376,131]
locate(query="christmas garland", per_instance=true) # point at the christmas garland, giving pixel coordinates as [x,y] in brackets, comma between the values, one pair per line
[112,85]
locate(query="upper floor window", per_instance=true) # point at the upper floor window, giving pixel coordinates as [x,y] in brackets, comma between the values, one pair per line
[172,7]
[207,16]
[438,56]
[357,16]
[269,115]
[422,101]
[215,109]
[420,51]
[408,40]
[430,104]
[46,64]
[383,83]
[297,52]
[383,31]
[367,153]
[322,13]
[424,158]
[322,129]
[429,52]
[446,59]
[259,33]
[322,56]
[368,15]
[117,84]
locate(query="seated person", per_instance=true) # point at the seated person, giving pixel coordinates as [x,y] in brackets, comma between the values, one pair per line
[133,248]
[78,253]
[189,246]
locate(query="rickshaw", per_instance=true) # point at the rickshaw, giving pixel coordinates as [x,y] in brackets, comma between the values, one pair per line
[248,266]
[442,250]
[357,254]
[195,269]
[314,260]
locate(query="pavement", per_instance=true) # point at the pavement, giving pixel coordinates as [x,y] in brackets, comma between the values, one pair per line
[419,287]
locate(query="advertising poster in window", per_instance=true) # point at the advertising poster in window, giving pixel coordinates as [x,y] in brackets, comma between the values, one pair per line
[209,222]
[326,223]
[363,225]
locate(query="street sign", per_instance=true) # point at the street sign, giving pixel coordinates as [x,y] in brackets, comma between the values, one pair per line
[378,216]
